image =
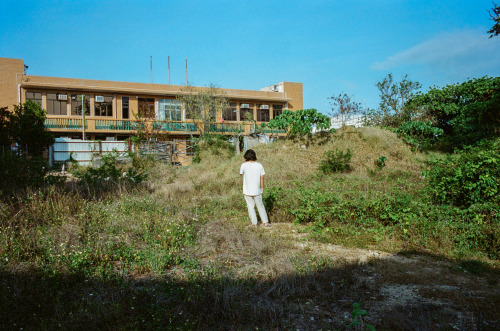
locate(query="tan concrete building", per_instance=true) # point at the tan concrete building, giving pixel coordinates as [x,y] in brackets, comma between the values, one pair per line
[109,110]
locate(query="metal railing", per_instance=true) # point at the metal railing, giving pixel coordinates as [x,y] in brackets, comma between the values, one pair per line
[224,127]
[118,125]
[174,126]
[64,123]
[112,125]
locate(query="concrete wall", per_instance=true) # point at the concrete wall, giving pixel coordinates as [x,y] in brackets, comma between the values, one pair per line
[11,74]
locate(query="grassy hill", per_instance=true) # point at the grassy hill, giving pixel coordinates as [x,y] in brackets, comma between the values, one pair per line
[177,251]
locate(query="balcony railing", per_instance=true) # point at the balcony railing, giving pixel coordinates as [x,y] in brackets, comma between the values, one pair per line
[129,126]
[64,123]
[118,125]
[174,126]
[224,127]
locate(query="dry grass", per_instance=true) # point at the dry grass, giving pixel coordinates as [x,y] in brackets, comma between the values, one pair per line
[179,253]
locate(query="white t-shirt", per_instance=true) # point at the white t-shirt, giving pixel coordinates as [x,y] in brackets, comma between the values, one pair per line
[251,172]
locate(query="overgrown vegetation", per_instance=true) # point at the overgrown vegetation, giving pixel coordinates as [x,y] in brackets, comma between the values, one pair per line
[174,251]
[336,161]
[214,144]
[300,123]
[468,177]
[466,112]
[23,166]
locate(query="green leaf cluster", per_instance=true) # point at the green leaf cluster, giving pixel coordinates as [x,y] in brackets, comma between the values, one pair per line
[468,177]
[420,133]
[111,172]
[466,112]
[300,122]
[25,126]
[336,161]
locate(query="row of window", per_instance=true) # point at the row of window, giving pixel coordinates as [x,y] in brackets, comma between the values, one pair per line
[57,104]
[168,109]
[246,112]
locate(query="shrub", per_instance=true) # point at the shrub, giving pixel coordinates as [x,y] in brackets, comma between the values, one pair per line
[111,172]
[419,133]
[380,162]
[215,144]
[17,172]
[336,161]
[467,177]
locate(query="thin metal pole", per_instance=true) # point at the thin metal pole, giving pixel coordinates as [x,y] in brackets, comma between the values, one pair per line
[169,70]
[186,72]
[151,67]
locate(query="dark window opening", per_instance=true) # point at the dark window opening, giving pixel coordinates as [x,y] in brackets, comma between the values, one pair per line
[103,106]
[79,102]
[146,107]
[229,113]
[246,111]
[277,110]
[34,96]
[125,107]
[56,106]
[263,113]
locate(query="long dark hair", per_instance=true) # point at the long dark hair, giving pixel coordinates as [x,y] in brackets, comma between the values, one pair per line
[250,155]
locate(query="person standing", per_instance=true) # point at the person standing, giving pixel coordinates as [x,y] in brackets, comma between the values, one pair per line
[253,187]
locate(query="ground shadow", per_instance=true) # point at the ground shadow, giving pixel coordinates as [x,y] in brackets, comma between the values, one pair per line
[398,293]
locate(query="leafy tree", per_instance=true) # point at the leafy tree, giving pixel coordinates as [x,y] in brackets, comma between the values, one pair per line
[393,97]
[495,17]
[344,106]
[201,107]
[5,126]
[466,112]
[27,128]
[420,133]
[300,122]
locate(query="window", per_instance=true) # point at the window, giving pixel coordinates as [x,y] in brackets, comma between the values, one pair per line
[229,113]
[79,102]
[263,113]
[57,104]
[246,111]
[146,107]
[277,110]
[170,110]
[103,105]
[34,96]
[125,107]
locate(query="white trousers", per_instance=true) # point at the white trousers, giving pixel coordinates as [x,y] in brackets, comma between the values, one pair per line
[251,202]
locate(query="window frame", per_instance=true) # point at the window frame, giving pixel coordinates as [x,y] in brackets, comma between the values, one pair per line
[103,108]
[150,112]
[75,110]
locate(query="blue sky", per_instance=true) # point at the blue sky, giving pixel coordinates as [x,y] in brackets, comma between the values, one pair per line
[329,46]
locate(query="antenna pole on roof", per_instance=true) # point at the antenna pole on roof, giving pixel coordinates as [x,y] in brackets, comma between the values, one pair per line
[151,67]
[169,70]
[186,72]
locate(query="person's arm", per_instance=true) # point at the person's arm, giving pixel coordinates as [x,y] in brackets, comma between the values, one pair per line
[262,184]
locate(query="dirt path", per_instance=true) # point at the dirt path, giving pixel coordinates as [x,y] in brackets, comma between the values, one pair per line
[398,291]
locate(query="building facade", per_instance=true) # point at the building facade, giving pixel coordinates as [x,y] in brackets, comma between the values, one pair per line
[109,110]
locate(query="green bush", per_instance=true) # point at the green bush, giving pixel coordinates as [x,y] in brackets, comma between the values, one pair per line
[336,161]
[215,144]
[380,162]
[17,172]
[111,172]
[467,177]
[420,134]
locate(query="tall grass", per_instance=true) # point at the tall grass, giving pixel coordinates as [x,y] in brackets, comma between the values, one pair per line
[176,251]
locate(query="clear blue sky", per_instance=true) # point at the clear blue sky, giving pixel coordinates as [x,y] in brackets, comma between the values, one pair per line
[330,46]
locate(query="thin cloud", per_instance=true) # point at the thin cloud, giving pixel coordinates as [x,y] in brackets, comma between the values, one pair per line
[461,54]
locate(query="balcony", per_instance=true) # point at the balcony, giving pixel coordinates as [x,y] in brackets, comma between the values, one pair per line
[111,126]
